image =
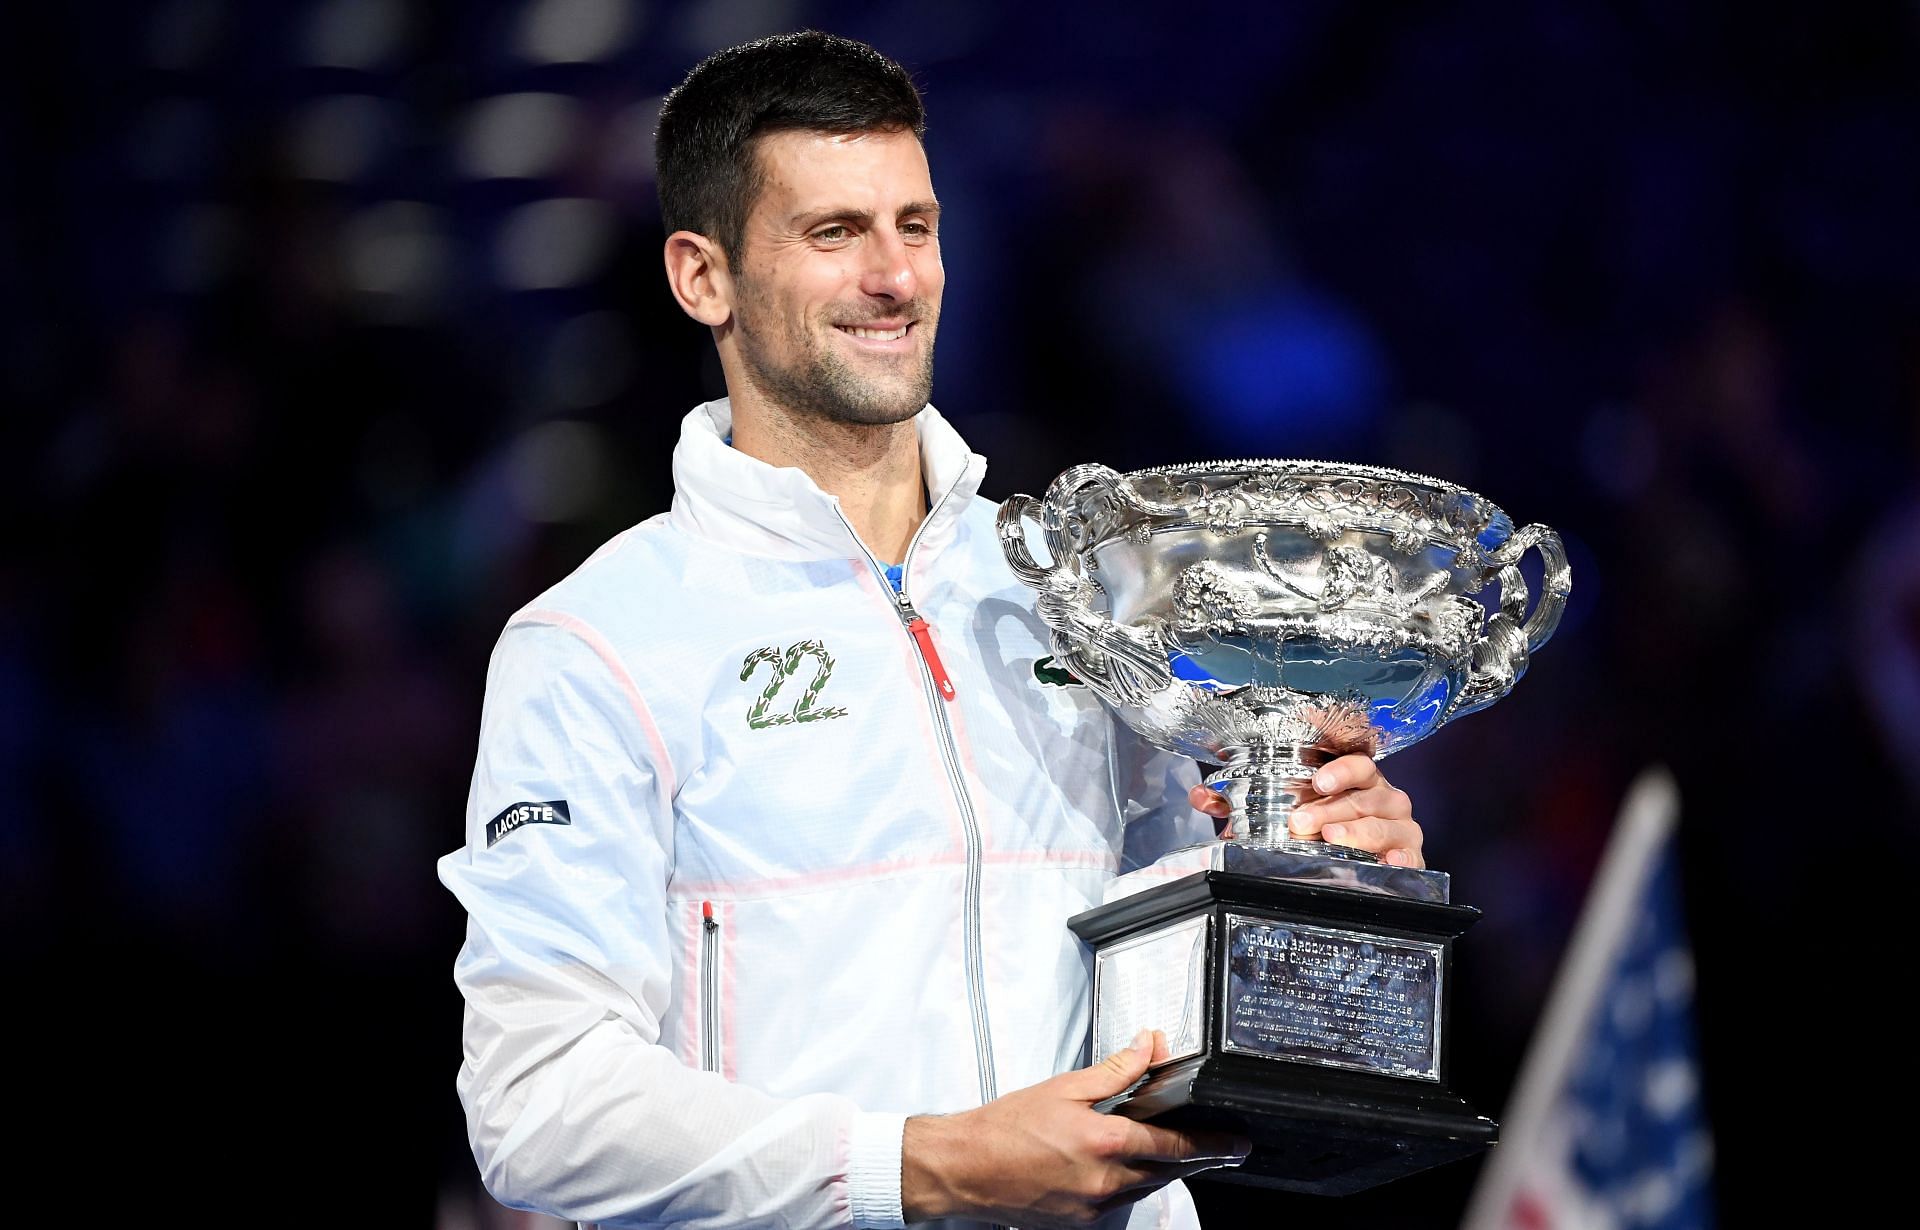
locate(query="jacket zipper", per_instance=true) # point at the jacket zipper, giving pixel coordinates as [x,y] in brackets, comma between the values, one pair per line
[937,686]
[709,988]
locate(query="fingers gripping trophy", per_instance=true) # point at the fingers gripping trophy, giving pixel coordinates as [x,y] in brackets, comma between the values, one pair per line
[1268,616]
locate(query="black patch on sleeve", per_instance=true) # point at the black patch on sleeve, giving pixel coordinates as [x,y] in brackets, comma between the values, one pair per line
[520,814]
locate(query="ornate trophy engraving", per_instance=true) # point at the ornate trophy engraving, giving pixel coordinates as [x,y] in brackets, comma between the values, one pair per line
[1268,616]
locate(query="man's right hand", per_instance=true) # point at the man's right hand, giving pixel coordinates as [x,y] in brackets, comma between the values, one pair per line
[1043,1157]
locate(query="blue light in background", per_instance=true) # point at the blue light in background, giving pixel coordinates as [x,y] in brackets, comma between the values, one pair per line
[1290,372]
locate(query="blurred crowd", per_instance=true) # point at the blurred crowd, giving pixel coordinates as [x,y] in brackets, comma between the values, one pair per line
[332,331]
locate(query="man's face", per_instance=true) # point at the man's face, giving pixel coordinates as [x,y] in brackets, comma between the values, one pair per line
[839,279]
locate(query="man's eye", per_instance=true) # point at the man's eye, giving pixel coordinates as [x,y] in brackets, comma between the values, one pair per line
[832,234]
[919,230]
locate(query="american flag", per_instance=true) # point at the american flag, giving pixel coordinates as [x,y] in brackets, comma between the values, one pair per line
[1606,1130]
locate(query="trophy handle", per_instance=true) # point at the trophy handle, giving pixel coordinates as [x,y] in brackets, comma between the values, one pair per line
[1070,520]
[1013,540]
[1500,657]
[1126,665]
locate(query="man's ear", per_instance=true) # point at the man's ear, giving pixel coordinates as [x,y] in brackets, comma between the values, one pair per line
[698,276]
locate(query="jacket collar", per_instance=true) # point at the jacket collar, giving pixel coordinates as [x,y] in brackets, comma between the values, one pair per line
[741,502]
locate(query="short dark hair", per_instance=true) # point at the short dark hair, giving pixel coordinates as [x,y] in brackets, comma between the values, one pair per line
[704,160]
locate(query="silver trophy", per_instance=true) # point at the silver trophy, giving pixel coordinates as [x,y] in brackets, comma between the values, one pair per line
[1268,616]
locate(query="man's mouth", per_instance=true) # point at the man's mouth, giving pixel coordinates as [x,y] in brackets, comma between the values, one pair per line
[876,334]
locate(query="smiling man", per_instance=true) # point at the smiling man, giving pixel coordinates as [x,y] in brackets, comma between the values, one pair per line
[780,810]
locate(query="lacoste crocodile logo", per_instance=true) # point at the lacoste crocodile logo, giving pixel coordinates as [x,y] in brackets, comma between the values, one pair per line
[1055,676]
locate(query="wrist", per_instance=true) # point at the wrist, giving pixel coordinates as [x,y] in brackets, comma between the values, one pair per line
[929,1145]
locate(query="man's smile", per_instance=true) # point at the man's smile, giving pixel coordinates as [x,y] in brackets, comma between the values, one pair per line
[880,335]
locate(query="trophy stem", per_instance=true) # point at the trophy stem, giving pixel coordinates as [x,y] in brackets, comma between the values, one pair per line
[1265,782]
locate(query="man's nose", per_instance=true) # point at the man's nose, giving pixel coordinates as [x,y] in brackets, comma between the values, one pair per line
[889,271]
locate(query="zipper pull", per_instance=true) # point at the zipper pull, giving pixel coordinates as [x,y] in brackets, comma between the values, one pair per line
[923,636]
[706,916]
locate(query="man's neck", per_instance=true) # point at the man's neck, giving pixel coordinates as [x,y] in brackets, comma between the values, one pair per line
[875,470]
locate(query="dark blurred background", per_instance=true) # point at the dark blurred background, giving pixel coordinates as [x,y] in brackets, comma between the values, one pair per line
[331,332]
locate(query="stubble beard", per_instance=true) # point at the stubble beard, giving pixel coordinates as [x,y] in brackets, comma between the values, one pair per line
[821,384]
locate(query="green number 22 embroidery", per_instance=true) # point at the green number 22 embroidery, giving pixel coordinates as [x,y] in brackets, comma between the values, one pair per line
[783,668]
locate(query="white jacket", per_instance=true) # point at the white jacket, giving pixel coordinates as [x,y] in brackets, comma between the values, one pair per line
[745,889]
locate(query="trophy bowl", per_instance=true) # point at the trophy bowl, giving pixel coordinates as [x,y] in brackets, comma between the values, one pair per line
[1270,615]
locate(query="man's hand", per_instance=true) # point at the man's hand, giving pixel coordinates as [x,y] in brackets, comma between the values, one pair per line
[1356,806]
[1043,1157]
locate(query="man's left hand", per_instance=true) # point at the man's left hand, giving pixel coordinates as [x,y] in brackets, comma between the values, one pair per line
[1353,804]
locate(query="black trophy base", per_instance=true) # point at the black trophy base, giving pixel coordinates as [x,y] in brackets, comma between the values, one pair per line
[1328,1056]
[1309,1133]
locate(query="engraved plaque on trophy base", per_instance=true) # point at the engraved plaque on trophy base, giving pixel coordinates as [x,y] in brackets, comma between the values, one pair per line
[1306,1014]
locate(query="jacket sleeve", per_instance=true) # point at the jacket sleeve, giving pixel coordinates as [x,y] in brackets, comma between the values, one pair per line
[573,1106]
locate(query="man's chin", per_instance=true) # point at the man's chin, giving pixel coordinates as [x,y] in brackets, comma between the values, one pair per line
[835,390]
[875,414]
[876,403]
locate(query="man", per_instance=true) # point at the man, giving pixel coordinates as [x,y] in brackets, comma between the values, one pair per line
[775,826]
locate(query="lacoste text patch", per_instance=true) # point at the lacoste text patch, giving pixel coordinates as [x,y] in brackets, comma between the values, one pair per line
[527,813]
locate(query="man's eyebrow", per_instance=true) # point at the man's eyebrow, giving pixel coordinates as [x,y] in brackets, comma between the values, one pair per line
[861,217]
[807,221]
